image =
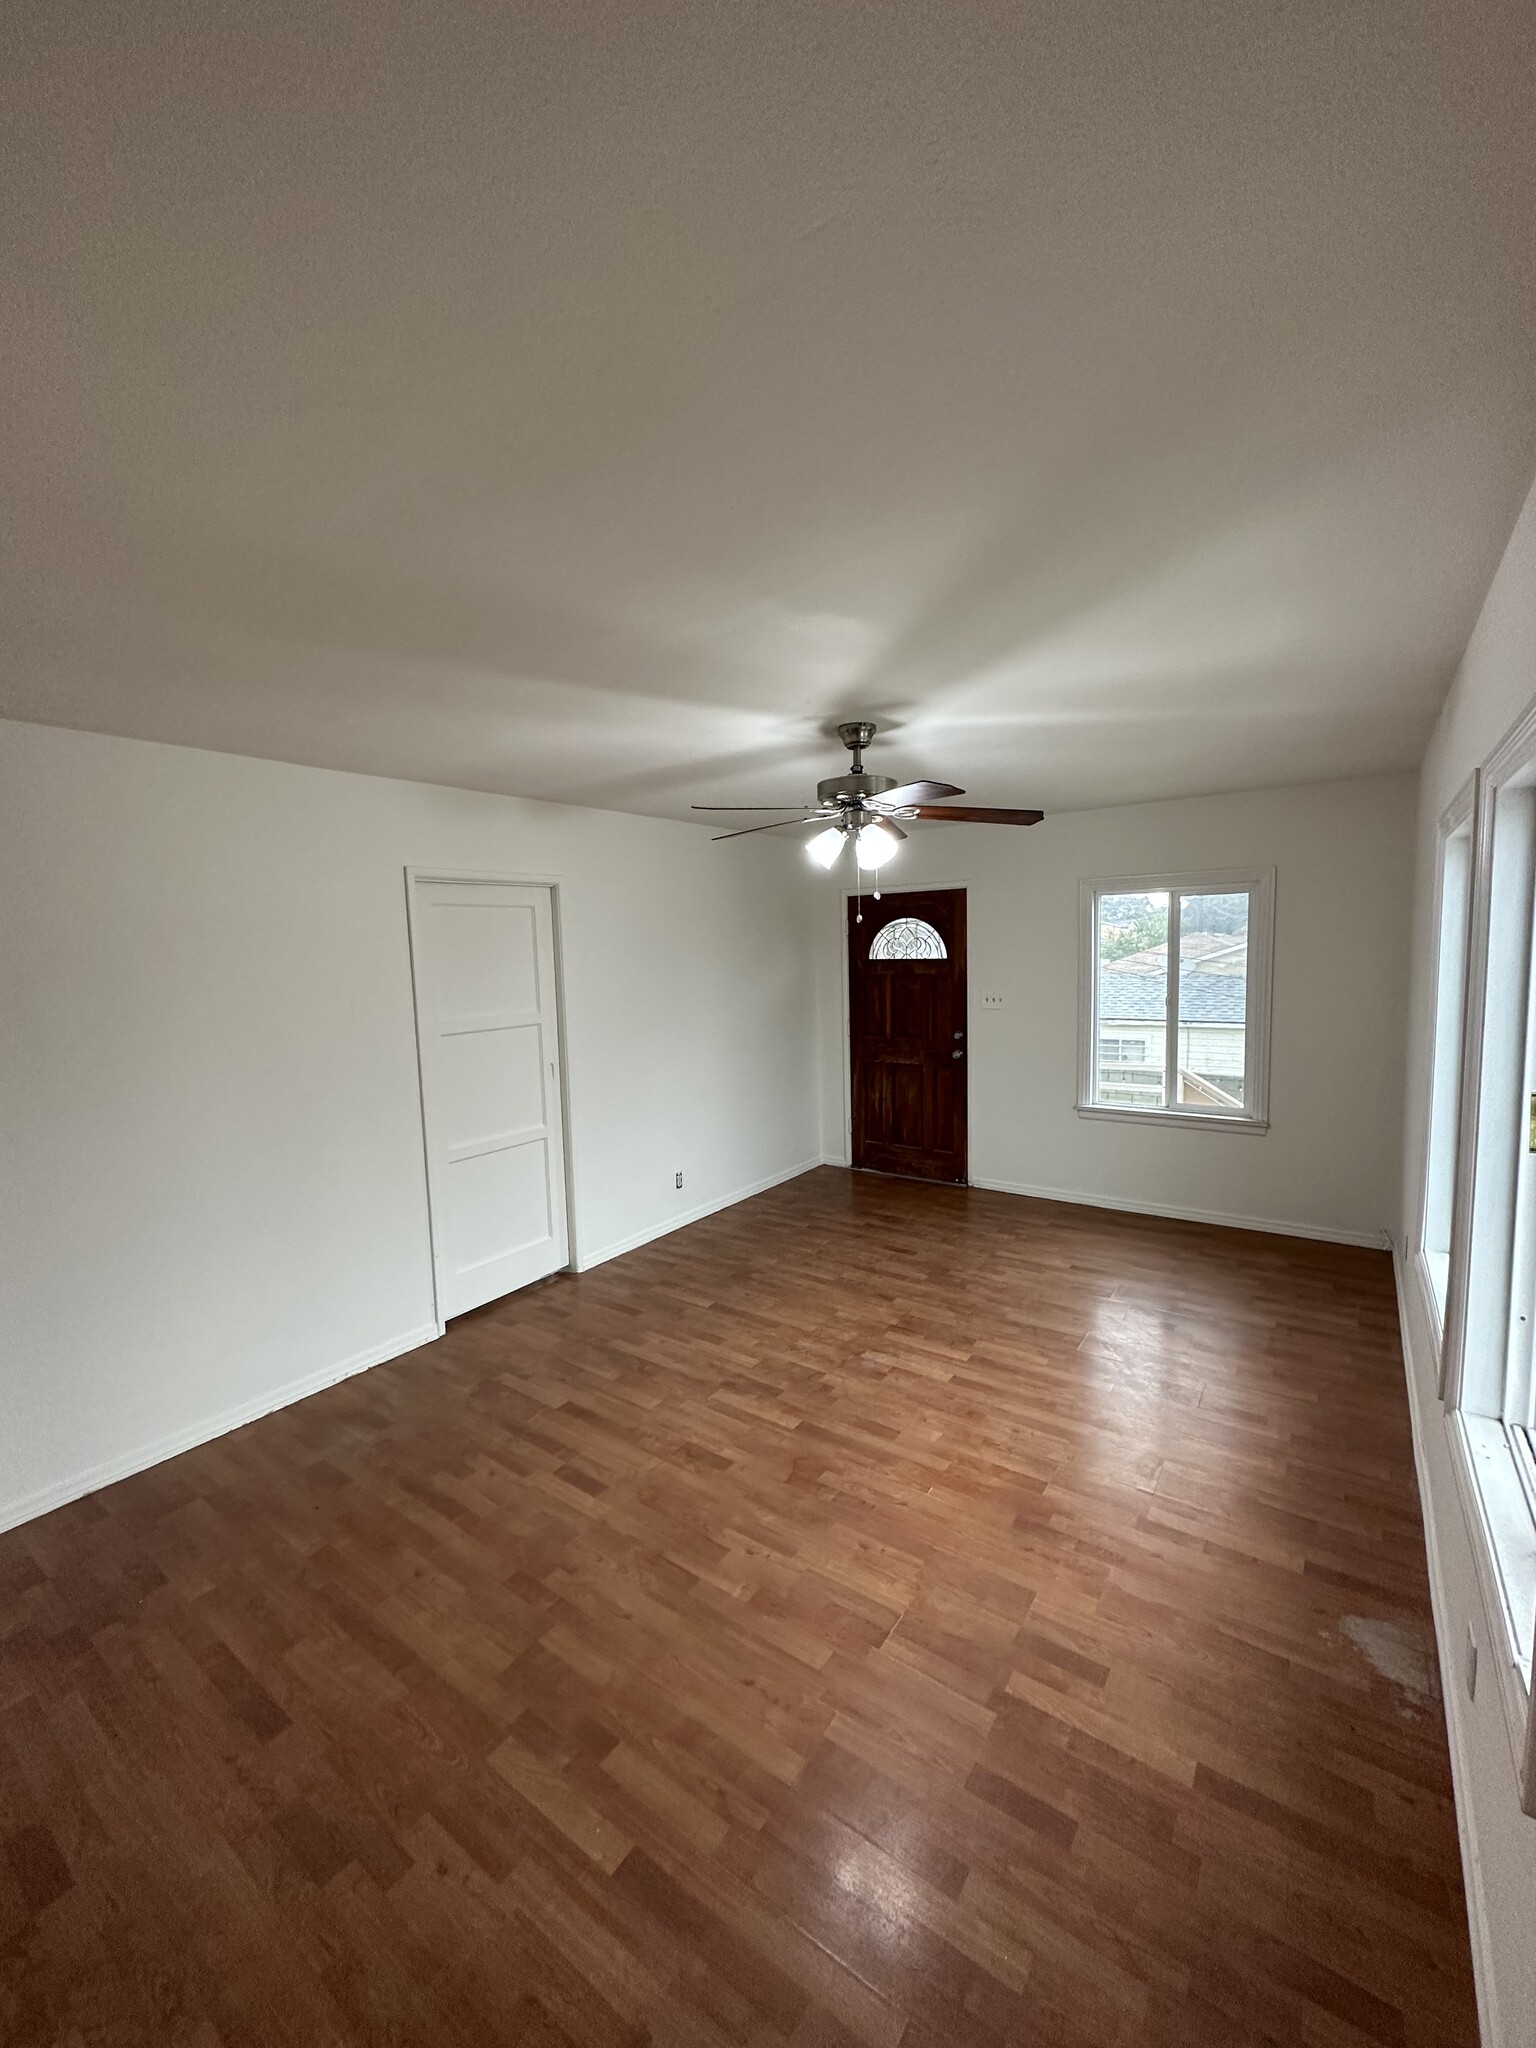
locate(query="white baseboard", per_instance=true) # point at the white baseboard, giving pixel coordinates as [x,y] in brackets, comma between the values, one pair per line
[1490,2031]
[1374,1240]
[588,1260]
[29,1505]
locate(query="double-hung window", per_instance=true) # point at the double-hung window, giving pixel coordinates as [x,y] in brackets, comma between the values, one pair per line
[1477,1242]
[1175,998]
[1491,1252]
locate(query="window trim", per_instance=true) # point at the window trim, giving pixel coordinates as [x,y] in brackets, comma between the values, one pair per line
[1463,809]
[1514,753]
[1260,885]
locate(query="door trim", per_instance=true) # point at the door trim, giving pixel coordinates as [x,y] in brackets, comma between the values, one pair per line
[416,872]
[903,888]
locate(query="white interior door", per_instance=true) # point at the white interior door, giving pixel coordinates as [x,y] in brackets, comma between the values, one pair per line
[483,955]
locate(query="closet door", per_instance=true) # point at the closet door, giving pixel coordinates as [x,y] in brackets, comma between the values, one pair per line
[483,957]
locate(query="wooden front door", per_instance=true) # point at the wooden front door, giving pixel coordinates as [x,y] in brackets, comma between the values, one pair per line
[906,1005]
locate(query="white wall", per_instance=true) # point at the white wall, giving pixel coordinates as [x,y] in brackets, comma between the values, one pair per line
[211,1183]
[1329,1164]
[1496,681]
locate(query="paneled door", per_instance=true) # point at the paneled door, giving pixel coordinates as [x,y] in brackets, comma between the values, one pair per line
[907,1024]
[488,1031]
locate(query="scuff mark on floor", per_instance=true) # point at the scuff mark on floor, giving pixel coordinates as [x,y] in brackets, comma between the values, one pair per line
[1397,1652]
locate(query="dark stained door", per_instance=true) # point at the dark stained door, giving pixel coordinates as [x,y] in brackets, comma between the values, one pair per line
[906,1005]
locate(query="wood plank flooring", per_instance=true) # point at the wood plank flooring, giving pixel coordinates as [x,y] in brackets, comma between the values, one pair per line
[878,1614]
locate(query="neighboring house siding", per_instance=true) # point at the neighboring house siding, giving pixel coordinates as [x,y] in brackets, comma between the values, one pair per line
[1211,1049]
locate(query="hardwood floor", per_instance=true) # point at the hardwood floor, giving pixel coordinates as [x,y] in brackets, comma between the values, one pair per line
[880,1613]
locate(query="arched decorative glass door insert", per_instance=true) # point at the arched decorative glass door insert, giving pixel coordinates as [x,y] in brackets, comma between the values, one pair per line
[908,938]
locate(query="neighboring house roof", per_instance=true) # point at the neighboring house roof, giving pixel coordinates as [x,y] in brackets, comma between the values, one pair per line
[1138,998]
[1222,952]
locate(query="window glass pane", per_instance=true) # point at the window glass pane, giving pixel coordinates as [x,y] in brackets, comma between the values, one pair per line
[1451,967]
[1213,1001]
[1494,1342]
[1520,1380]
[908,938]
[1132,1022]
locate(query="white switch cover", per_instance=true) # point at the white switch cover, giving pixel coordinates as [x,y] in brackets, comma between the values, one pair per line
[991,1002]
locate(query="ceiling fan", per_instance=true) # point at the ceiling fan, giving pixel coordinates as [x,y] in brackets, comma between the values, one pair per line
[869,810]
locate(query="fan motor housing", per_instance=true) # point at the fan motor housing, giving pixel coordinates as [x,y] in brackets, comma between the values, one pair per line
[852,789]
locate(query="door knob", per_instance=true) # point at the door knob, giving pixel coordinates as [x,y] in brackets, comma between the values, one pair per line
[957,1055]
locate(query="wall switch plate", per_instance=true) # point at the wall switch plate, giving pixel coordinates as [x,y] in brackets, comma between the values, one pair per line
[1471,1663]
[679,1177]
[991,1001]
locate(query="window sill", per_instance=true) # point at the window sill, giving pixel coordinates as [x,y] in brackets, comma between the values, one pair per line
[1180,1119]
[1498,1511]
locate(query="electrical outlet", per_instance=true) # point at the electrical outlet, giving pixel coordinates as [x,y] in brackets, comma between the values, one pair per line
[991,1001]
[679,1177]
[1471,1663]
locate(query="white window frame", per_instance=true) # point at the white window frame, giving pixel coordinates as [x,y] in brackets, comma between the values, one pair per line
[1448,1062]
[1494,1471]
[1259,883]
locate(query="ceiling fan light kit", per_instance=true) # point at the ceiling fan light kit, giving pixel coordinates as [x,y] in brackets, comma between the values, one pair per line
[866,808]
[876,844]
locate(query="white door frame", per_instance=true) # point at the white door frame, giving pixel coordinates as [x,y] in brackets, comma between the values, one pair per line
[417,872]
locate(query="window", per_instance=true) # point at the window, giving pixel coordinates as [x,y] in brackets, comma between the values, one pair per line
[908,938]
[1131,1049]
[1494,1377]
[1478,1235]
[1453,912]
[1175,999]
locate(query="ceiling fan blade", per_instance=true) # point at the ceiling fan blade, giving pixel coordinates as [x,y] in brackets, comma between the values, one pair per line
[791,810]
[972,814]
[772,825]
[918,793]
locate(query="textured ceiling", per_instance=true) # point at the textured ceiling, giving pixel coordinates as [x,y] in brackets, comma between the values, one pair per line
[597,401]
